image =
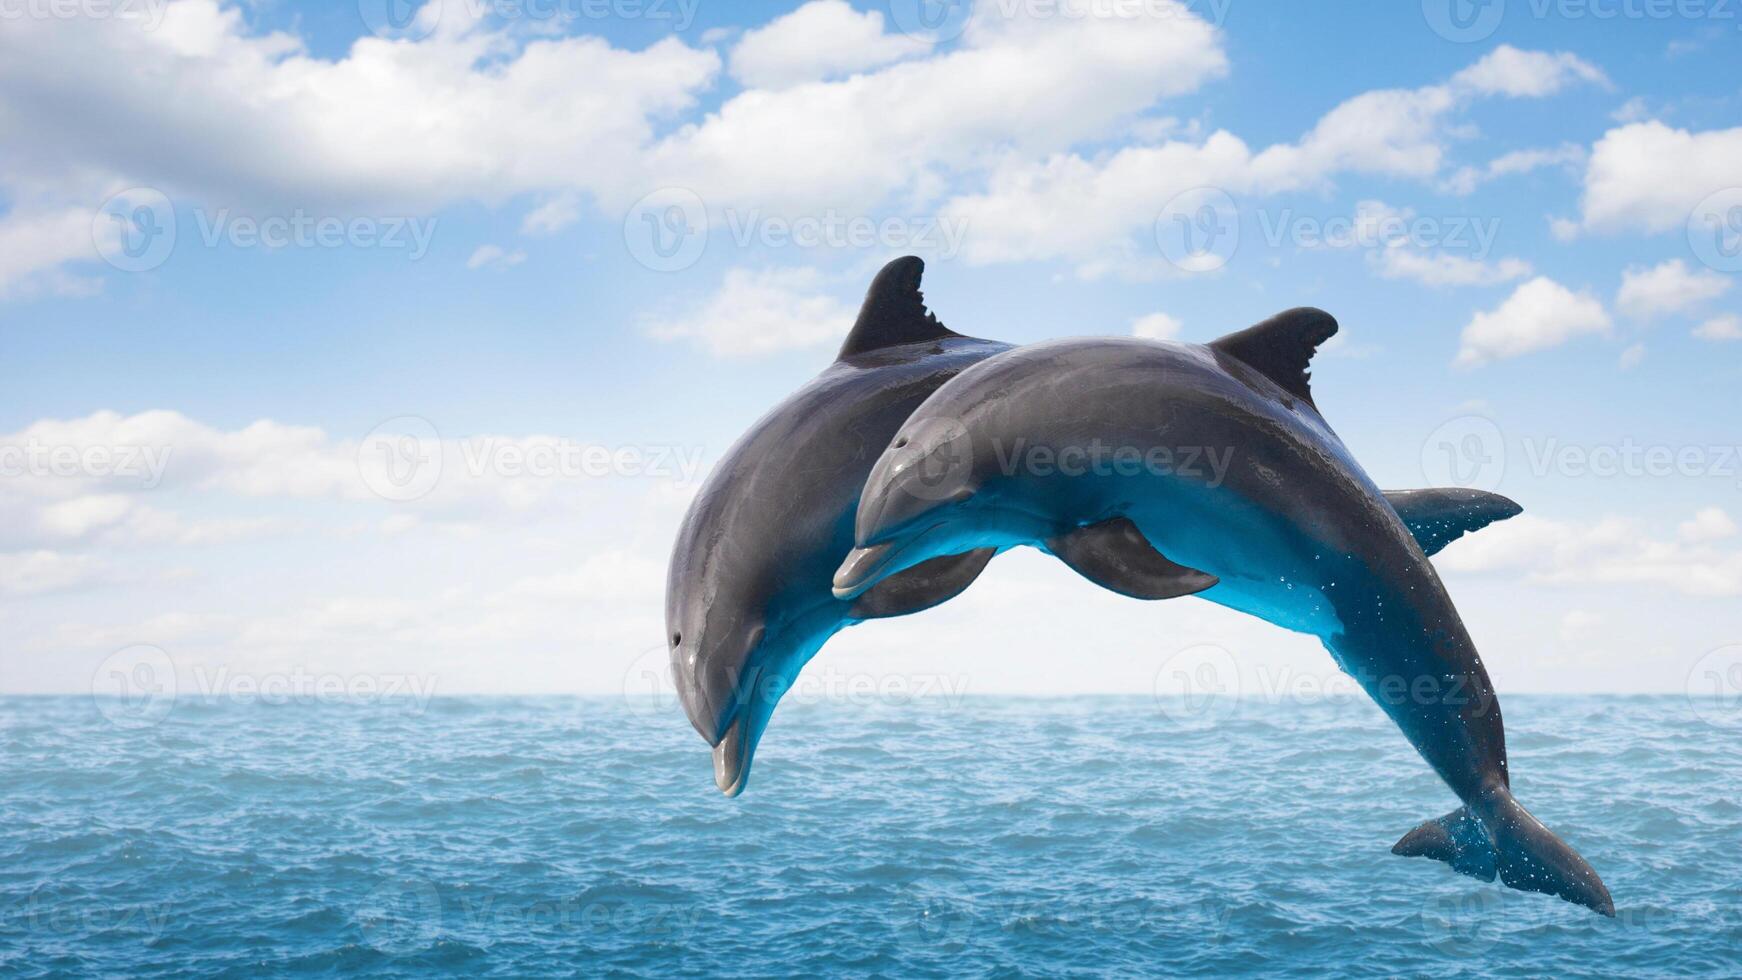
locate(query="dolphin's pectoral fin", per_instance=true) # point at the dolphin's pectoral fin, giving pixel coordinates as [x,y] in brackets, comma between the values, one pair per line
[1115,555]
[1457,839]
[1510,843]
[923,586]
[1281,347]
[1440,516]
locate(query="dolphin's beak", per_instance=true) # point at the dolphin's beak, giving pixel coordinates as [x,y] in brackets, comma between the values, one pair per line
[859,572]
[732,757]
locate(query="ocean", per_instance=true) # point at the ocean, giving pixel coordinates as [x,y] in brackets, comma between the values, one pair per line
[960,836]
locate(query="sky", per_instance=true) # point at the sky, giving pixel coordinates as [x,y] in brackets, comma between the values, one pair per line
[355,347]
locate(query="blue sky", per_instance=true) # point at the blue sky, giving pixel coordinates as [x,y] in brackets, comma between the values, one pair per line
[1529,285]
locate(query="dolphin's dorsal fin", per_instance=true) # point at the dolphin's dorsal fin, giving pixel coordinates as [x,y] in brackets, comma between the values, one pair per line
[1280,347]
[894,311]
[1437,517]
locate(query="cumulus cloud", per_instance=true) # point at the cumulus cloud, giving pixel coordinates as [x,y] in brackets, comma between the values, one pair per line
[1538,315]
[1668,287]
[822,39]
[760,312]
[1466,179]
[1527,74]
[1157,326]
[1088,208]
[1649,176]
[1727,326]
[1611,551]
[1443,269]
[495,257]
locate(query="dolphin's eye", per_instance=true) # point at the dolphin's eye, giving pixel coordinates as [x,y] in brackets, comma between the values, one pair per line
[676,638]
[901,443]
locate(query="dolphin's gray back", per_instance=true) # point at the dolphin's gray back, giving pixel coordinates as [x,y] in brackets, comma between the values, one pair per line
[774,516]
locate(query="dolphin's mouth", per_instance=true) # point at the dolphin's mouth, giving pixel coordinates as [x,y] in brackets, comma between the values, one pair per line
[862,566]
[731,756]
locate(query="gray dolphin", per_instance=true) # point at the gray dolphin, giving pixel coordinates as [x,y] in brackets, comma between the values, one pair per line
[748,594]
[1289,529]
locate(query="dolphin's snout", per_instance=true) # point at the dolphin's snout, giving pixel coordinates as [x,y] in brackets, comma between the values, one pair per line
[859,571]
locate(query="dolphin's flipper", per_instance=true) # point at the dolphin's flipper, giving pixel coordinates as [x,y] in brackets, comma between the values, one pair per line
[1115,555]
[1440,516]
[1513,844]
[922,586]
[894,312]
[1280,347]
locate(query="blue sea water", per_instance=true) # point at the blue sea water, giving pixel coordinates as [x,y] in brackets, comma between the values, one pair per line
[980,836]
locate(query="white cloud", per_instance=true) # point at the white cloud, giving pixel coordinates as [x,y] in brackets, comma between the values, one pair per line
[1017,81]
[560,211]
[1089,209]
[1157,326]
[40,572]
[1649,176]
[822,39]
[760,312]
[1727,326]
[1631,357]
[1538,315]
[1527,74]
[1446,270]
[1467,179]
[33,244]
[1669,287]
[1611,551]
[495,257]
[1710,524]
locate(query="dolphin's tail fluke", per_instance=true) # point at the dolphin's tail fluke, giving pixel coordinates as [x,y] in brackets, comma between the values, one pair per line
[1513,844]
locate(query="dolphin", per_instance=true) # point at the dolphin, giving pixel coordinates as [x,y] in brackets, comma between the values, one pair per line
[1289,528]
[749,597]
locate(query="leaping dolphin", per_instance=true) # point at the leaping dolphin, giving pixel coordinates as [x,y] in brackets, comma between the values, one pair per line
[1290,530]
[748,594]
